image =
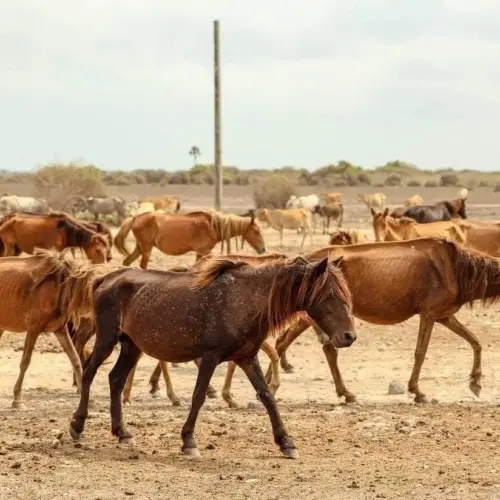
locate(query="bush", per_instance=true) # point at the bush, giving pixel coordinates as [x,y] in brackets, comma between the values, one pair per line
[340,183]
[59,183]
[484,184]
[393,180]
[273,192]
[364,180]
[351,180]
[414,183]
[378,185]
[430,184]
[448,180]
[179,178]
[497,188]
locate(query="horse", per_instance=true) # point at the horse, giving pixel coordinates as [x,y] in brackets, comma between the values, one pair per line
[413,201]
[481,236]
[331,198]
[347,237]
[12,203]
[221,312]
[178,234]
[431,277]
[387,228]
[294,218]
[442,210]
[41,293]
[330,211]
[25,231]
[375,200]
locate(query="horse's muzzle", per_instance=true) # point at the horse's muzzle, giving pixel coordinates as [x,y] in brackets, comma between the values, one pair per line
[262,250]
[346,340]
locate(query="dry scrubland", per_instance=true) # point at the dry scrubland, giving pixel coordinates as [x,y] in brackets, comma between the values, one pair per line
[384,447]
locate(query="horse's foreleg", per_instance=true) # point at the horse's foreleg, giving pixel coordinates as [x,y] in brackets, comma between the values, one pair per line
[331,354]
[29,344]
[127,360]
[168,383]
[424,336]
[146,254]
[226,390]
[208,363]
[69,348]
[252,370]
[455,326]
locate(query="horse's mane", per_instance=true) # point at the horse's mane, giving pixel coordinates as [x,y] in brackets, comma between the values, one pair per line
[227,226]
[295,287]
[77,235]
[454,205]
[74,281]
[405,220]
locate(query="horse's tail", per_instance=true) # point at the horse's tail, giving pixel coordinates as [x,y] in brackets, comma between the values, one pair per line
[178,206]
[122,234]
[341,216]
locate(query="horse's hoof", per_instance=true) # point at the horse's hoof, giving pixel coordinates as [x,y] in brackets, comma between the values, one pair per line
[212,395]
[289,369]
[255,405]
[192,452]
[351,400]
[74,433]
[231,402]
[127,440]
[155,395]
[290,453]
[18,405]
[475,388]
[126,402]
[176,402]
[421,400]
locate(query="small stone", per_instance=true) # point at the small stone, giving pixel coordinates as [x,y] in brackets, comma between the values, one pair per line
[16,465]
[210,446]
[395,388]
[129,493]
[239,477]
[78,445]
[56,443]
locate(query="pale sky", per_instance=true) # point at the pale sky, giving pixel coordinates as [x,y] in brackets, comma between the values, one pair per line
[128,83]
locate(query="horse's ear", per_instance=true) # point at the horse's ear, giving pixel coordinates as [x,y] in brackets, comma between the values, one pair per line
[336,262]
[320,267]
[373,212]
[386,212]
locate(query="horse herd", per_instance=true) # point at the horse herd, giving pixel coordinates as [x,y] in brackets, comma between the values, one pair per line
[224,309]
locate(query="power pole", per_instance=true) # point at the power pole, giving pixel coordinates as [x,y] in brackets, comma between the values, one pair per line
[217,120]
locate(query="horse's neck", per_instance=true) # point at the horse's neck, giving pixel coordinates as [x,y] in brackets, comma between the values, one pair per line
[392,234]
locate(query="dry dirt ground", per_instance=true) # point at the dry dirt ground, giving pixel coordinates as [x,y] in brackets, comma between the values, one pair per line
[383,447]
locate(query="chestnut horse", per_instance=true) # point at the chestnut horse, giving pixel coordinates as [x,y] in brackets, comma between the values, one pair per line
[177,234]
[221,312]
[430,277]
[39,294]
[24,232]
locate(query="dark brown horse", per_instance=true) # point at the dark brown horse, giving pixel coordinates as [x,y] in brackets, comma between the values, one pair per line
[393,281]
[222,312]
[442,210]
[24,232]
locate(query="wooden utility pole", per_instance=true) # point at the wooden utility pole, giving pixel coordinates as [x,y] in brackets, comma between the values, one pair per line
[217,120]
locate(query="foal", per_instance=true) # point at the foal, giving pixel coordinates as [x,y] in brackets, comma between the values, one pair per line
[221,312]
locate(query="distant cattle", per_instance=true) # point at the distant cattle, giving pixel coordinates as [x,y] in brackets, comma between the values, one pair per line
[375,200]
[102,206]
[331,198]
[12,203]
[163,203]
[309,201]
[295,218]
[330,211]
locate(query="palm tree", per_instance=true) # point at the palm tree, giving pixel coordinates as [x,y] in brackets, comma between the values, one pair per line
[195,153]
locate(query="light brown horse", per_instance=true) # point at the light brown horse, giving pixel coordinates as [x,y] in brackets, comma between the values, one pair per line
[430,277]
[41,293]
[181,233]
[387,228]
[24,232]
[347,237]
[481,236]
[222,312]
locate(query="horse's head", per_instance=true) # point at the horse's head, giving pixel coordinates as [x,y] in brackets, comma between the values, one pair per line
[331,305]
[98,251]
[253,235]
[340,238]
[379,222]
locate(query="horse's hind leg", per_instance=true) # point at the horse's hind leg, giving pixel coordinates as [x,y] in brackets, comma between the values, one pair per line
[331,354]
[275,366]
[127,360]
[456,327]
[252,369]
[226,390]
[424,336]
[128,384]
[208,363]
[168,383]
[66,343]
[133,256]
[154,380]
[29,344]
[107,335]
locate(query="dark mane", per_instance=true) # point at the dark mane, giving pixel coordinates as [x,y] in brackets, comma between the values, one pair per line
[454,206]
[76,234]
[294,288]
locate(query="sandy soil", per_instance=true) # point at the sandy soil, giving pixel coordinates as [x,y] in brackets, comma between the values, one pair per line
[383,447]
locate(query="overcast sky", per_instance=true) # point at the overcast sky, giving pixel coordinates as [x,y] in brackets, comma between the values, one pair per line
[128,83]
